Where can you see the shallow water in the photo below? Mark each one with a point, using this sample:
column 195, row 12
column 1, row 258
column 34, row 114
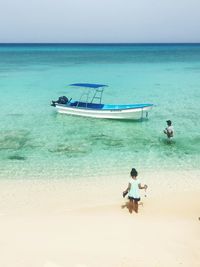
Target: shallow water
column 36, row 142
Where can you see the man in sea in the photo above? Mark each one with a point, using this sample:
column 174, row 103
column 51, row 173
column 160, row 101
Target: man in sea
column 169, row 131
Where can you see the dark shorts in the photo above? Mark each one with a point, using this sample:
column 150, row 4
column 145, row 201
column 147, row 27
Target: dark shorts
column 135, row 199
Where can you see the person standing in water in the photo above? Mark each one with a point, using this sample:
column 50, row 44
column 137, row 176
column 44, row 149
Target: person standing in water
column 169, row 131
column 133, row 191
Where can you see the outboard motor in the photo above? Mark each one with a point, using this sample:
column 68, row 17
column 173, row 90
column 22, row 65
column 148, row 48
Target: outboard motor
column 61, row 100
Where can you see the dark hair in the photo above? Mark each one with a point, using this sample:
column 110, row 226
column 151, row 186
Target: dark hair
column 169, row 123
column 134, row 172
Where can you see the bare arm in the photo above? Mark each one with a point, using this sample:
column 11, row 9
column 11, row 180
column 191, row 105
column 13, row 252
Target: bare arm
column 142, row 187
column 127, row 190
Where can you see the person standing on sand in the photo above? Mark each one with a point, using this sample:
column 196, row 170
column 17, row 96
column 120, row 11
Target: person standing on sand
column 133, row 191
column 169, row 131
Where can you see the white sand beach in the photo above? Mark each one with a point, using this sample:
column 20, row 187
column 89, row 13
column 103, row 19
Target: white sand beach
column 60, row 224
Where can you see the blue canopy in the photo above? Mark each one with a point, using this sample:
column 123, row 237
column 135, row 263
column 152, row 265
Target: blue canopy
column 88, row 85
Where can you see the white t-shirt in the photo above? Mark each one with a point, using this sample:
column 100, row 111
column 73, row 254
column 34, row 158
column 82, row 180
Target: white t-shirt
column 134, row 190
column 170, row 129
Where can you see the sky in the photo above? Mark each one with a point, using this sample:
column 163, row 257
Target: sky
column 99, row 21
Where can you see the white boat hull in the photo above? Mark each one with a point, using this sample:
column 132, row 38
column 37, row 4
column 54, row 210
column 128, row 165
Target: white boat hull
column 123, row 114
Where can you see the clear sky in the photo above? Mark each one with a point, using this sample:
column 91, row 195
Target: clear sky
column 99, row 21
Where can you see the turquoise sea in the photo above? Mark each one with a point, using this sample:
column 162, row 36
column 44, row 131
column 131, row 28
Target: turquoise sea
column 36, row 142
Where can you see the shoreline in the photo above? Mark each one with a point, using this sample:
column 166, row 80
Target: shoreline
column 61, row 223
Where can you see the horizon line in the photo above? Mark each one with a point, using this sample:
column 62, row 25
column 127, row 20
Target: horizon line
column 100, row 43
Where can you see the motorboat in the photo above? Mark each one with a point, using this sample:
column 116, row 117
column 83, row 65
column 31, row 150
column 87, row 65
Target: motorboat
column 89, row 105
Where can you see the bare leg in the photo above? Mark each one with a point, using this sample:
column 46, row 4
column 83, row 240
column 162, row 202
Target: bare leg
column 136, row 206
column 131, row 208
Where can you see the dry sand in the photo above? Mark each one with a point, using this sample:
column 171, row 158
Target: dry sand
column 61, row 224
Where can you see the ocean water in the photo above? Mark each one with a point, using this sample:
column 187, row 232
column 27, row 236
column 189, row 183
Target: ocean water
column 38, row 143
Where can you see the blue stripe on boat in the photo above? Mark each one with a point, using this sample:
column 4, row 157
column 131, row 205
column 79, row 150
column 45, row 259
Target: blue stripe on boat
column 108, row 106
